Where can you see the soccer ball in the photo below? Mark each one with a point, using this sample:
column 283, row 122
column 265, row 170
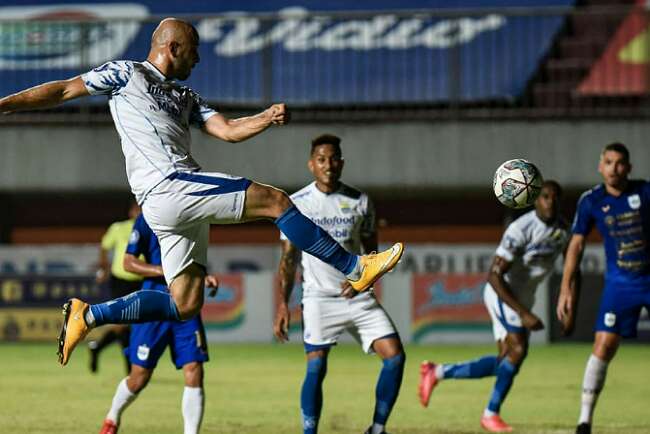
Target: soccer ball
column 517, row 183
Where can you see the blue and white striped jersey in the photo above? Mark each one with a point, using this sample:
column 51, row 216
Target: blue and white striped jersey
column 152, row 115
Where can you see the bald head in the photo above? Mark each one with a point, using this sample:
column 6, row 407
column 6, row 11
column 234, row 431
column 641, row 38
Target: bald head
column 174, row 48
column 172, row 30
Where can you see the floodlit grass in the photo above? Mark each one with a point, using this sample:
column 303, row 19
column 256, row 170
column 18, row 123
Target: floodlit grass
column 255, row 389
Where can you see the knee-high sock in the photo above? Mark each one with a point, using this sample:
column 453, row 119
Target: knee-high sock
column 311, row 238
column 193, row 399
column 137, row 307
column 478, row 368
column 121, row 400
column 506, row 372
column 592, row 384
column 311, row 397
column 388, row 385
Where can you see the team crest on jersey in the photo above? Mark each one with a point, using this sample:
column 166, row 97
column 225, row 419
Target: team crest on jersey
column 143, row 352
column 610, row 319
column 135, row 237
column 610, row 220
column 345, row 207
column 634, row 201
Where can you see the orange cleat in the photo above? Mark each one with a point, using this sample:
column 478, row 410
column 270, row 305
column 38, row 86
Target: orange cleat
column 428, row 382
column 495, row 424
column 74, row 328
column 375, row 265
column 109, row 427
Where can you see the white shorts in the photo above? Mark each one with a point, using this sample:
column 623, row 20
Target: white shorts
column 504, row 319
column 326, row 318
column 180, row 210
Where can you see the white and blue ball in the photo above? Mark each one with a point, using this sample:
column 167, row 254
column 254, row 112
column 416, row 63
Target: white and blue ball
column 517, row 183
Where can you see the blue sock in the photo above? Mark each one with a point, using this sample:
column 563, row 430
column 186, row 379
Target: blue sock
column 505, row 376
column 477, row 368
column 309, row 237
column 137, row 307
column 390, row 380
column 311, row 396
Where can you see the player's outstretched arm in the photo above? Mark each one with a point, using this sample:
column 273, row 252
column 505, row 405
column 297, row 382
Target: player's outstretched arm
column 45, row 95
column 237, row 130
column 287, row 271
column 569, row 291
column 495, row 278
column 137, row 266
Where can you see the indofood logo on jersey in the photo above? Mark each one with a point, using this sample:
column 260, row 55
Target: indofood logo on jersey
column 239, row 35
column 227, row 309
column 66, row 36
column 447, row 302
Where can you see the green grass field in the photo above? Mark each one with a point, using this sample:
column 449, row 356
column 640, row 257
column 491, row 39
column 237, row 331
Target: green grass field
column 255, row 389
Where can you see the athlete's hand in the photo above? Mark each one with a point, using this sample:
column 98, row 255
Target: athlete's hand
column 278, row 114
column 281, row 323
column 565, row 312
column 347, row 290
column 211, row 281
column 531, row 321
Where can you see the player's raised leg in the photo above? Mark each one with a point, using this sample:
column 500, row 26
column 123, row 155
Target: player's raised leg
column 389, row 382
column 311, row 394
column 263, row 201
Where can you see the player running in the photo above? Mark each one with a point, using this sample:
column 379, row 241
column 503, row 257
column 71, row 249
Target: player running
column 525, row 256
column 620, row 209
column 185, row 339
column 328, row 310
column 152, row 114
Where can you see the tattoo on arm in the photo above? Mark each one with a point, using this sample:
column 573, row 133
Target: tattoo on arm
column 288, row 265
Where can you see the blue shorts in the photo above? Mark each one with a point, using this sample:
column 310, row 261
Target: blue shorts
column 186, row 340
column 620, row 308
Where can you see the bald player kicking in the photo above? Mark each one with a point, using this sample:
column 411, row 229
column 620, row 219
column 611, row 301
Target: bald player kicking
column 152, row 114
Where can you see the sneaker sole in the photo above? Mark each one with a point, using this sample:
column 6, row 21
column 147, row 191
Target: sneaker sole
column 64, row 328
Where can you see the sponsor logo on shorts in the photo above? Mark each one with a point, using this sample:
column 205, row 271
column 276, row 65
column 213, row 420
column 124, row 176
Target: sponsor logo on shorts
column 143, row 352
column 610, row 319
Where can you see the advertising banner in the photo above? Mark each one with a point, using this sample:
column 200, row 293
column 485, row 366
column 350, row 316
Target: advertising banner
column 448, row 302
column 298, row 57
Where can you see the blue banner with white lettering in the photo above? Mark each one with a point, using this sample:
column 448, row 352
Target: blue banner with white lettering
column 295, row 52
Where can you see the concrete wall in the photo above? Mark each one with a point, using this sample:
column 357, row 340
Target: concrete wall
column 378, row 155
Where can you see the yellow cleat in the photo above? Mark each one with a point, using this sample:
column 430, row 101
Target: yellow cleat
column 74, row 328
column 375, row 265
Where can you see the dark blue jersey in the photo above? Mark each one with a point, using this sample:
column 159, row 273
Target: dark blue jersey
column 144, row 242
column 624, row 223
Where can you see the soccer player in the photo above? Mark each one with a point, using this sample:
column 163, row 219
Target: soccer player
column 330, row 305
column 525, row 256
column 186, row 339
column 620, row 209
column 152, row 114
column 120, row 281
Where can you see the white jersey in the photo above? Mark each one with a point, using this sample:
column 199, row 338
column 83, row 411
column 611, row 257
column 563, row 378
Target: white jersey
column 532, row 247
column 152, row 115
column 347, row 215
